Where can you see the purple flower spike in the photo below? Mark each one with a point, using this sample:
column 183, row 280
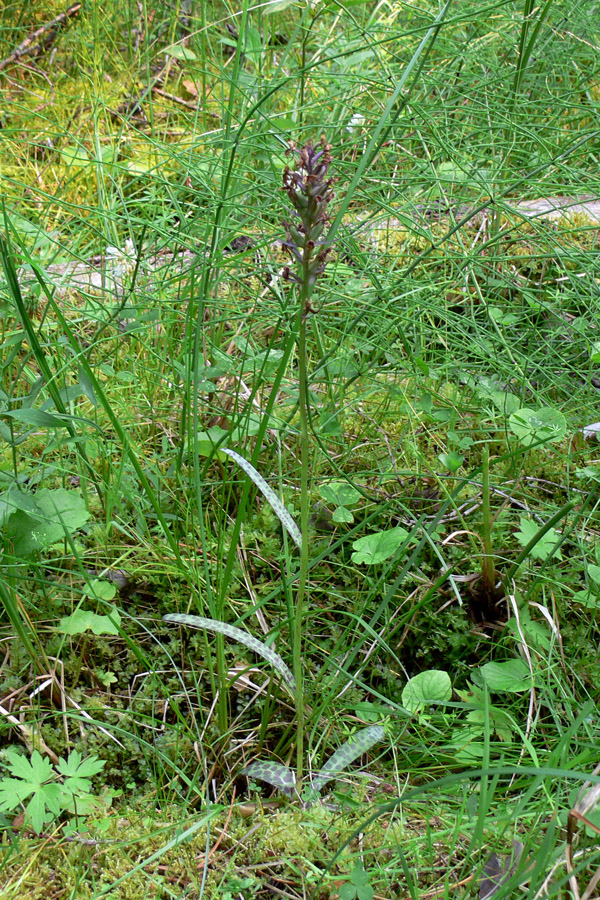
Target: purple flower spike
column 310, row 193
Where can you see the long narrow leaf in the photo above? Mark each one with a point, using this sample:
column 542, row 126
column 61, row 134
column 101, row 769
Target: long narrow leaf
column 276, row 774
column 276, row 504
column 358, row 744
column 237, row 634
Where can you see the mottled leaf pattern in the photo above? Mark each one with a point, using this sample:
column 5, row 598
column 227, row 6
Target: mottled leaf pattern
column 237, row 634
column 276, row 504
column 358, row 744
column 278, row 775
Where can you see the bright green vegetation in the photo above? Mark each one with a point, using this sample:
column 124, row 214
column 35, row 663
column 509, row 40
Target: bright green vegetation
column 434, row 681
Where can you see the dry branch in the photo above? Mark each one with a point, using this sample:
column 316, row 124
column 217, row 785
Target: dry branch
column 48, row 31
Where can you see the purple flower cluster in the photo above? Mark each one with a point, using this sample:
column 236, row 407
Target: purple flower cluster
column 309, row 190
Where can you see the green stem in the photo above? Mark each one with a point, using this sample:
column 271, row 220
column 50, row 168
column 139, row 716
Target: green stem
column 487, row 567
column 304, row 511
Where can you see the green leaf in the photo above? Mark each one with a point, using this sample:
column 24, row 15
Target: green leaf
column 535, row 633
column 511, row 677
column 358, row 888
column 543, row 548
column 44, row 806
column 36, row 811
column 206, row 442
column 329, row 421
column 12, row 793
column 341, row 515
column 49, row 798
column 78, row 772
column 237, row 634
column 75, row 155
column 376, row 548
column 502, row 317
column 339, row 493
column 100, row 589
column 358, row 876
column 594, row 573
column 588, row 472
column 274, row 501
column 533, row 426
column 265, row 362
column 371, row 712
column 37, row 417
column 13, row 500
column 83, row 620
column 276, row 774
column 34, row 777
column 273, row 6
column 354, row 747
column 75, row 765
column 36, row 770
column 451, row 461
column 249, row 427
column 36, row 521
column 587, row 598
column 504, row 401
column 466, row 745
column 179, row 52
column 87, row 386
column 432, row 686
column 62, row 509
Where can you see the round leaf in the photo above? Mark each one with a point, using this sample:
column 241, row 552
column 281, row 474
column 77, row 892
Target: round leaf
column 339, row 493
column 347, row 892
column 512, row 676
column 179, row 52
column 376, row 548
column 432, row 686
column 341, row 514
column 533, row 426
column 75, row 156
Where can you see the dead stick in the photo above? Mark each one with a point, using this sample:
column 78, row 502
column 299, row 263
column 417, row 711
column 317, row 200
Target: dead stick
column 28, row 45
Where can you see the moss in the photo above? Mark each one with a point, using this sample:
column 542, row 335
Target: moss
column 123, row 846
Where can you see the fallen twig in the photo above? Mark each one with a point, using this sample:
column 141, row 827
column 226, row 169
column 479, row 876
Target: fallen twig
column 49, row 29
column 187, row 103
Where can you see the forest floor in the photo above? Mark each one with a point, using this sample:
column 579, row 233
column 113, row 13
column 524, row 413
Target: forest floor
column 300, row 584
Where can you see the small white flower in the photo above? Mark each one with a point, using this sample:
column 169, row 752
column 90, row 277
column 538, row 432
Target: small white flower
column 129, row 248
column 122, row 262
column 357, row 121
